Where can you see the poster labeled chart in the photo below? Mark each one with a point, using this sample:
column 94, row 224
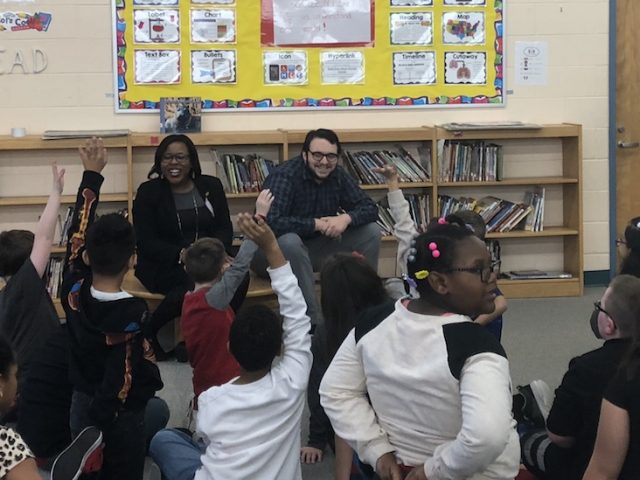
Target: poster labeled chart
column 308, row 54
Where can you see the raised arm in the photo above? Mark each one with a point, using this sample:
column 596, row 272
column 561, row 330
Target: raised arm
column 296, row 359
column 45, row 230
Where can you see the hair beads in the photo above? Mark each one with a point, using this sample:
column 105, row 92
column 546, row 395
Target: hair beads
column 433, row 247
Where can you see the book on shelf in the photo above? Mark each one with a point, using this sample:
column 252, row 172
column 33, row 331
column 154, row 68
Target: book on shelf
column 498, row 125
column 535, row 274
column 65, row 225
column 62, row 134
column 469, row 161
column 239, row 173
column 180, row 114
column 419, row 209
column 53, row 275
column 360, row 165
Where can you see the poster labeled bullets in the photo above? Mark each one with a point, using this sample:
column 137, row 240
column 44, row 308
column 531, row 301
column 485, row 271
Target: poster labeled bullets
column 465, row 68
column 411, row 28
column 213, row 26
column 213, row 66
column 156, row 26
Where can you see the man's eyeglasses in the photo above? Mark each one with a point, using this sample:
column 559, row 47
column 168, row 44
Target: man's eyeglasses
column 180, row 158
column 598, row 306
column 484, row 272
column 318, row 156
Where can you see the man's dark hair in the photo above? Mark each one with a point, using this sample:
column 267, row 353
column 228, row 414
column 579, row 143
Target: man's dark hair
column 110, row 244
column 204, row 259
column 324, row 133
column 255, row 337
column 196, row 170
column 15, row 248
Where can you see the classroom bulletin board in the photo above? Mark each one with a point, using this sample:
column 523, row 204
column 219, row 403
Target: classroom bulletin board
column 308, row 54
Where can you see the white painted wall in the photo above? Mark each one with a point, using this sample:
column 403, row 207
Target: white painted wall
column 74, row 92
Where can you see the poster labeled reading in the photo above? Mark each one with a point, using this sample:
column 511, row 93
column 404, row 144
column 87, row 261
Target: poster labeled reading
column 285, row 67
column 322, row 22
column 465, row 68
column 213, row 66
column 213, row 26
column 463, row 27
column 342, row 67
column 411, row 28
column 156, row 26
column 157, row 66
column 414, row 68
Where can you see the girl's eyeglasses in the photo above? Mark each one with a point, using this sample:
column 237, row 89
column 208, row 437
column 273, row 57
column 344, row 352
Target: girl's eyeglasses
column 484, row 272
column 620, row 241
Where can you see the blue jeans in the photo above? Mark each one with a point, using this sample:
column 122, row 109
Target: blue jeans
column 177, row 455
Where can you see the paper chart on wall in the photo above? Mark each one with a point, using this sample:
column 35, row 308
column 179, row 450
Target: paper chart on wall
column 155, row 2
column 157, row 66
column 215, row 2
column 213, row 66
column 285, row 67
column 213, row 26
column 411, row 3
column 463, row 3
column 465, row 68
column 322, row 22
column 414, row 68
column 342, row 67
column 411, row 28
column 463, row 28
column 156, row 26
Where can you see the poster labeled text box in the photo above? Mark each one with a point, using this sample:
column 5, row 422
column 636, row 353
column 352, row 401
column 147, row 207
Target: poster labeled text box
column 157, row 66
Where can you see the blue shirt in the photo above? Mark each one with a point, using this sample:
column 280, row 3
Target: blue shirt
column 299, row 199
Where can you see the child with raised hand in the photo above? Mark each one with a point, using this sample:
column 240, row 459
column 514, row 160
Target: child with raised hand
column 425, row 392
column 492, row 321
column 209, row 310
column 251, row 425
column 110, row 365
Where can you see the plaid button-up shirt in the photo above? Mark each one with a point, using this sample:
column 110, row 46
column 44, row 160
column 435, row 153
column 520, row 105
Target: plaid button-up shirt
column 299, row 199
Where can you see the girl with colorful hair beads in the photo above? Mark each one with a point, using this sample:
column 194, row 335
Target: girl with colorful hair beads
column 425, row 392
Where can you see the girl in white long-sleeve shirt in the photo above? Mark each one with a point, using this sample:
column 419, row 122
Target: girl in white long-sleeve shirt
column 426, row 390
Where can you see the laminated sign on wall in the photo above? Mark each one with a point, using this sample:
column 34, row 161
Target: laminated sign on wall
column 308, row 54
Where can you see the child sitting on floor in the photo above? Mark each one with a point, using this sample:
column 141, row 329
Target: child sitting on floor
column 251, row 425
column 208, row 311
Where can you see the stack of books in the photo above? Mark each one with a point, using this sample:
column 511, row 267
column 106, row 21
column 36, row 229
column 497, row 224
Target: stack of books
column 53, row 275
column 360, row 165
column 469, row 162
column 419, row 208
column 64, row 226
column 500, row 215
column 241, row 173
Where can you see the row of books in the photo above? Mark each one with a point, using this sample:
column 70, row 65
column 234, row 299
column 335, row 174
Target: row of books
column 360, row 165
column 419, row 208
column 65, row 225
column 239, row 173
column 53, row 276
column 501, row 215
column 469, row 162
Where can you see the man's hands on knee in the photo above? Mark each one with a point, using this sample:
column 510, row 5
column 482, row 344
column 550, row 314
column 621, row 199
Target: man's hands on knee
column 333, row 226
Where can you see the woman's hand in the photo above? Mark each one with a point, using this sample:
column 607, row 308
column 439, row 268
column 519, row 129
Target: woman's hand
column 94, row 155
column 263, row 203
column 58, row 178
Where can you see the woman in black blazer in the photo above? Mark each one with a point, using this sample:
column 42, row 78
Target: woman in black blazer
column 175, row 207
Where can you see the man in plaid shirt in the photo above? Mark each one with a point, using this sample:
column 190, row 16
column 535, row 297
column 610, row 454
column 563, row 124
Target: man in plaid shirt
column 318, row 210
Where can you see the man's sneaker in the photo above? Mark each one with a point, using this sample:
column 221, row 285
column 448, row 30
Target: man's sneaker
column 83, row 455
column 534, row 403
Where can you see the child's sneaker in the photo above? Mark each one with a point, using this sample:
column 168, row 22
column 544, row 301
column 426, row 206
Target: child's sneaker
column 83, row 455
column 534, row 403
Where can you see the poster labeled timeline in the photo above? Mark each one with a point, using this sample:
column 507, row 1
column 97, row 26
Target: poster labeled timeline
column 312, row 54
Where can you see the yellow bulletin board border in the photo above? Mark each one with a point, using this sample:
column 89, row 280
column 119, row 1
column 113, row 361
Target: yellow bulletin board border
column 251, row 93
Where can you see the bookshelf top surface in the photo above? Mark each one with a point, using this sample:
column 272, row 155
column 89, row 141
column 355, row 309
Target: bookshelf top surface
column 151, row 139
column 563, row 130
column 35, row 142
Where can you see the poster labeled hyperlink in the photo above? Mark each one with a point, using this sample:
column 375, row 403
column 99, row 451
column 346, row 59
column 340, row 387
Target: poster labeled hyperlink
column 239, row 55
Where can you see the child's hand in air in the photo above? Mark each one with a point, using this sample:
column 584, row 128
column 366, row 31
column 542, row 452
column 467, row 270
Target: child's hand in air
column 391, row 174
column 58, row 178
column 93, row 154
column 263, row 203
column 258, row 231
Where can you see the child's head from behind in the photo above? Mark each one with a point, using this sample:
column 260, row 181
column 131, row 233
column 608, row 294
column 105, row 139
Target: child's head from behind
column 8, row 380
column 629, row 248
column 15, row 248
column 473, row 221
column 204, row 259
column 348, row 285
column 255, row 337
column 452, row 268
column 110, row 245
column 619, row 309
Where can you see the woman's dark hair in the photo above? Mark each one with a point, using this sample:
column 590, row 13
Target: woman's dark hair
column 348, row 285
column 631, row 263
column 7, row 357
column 196, row 170
column 324, row 133
column 445, row 237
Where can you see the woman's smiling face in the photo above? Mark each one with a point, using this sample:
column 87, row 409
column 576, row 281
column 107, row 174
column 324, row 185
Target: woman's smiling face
column 175, row 164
